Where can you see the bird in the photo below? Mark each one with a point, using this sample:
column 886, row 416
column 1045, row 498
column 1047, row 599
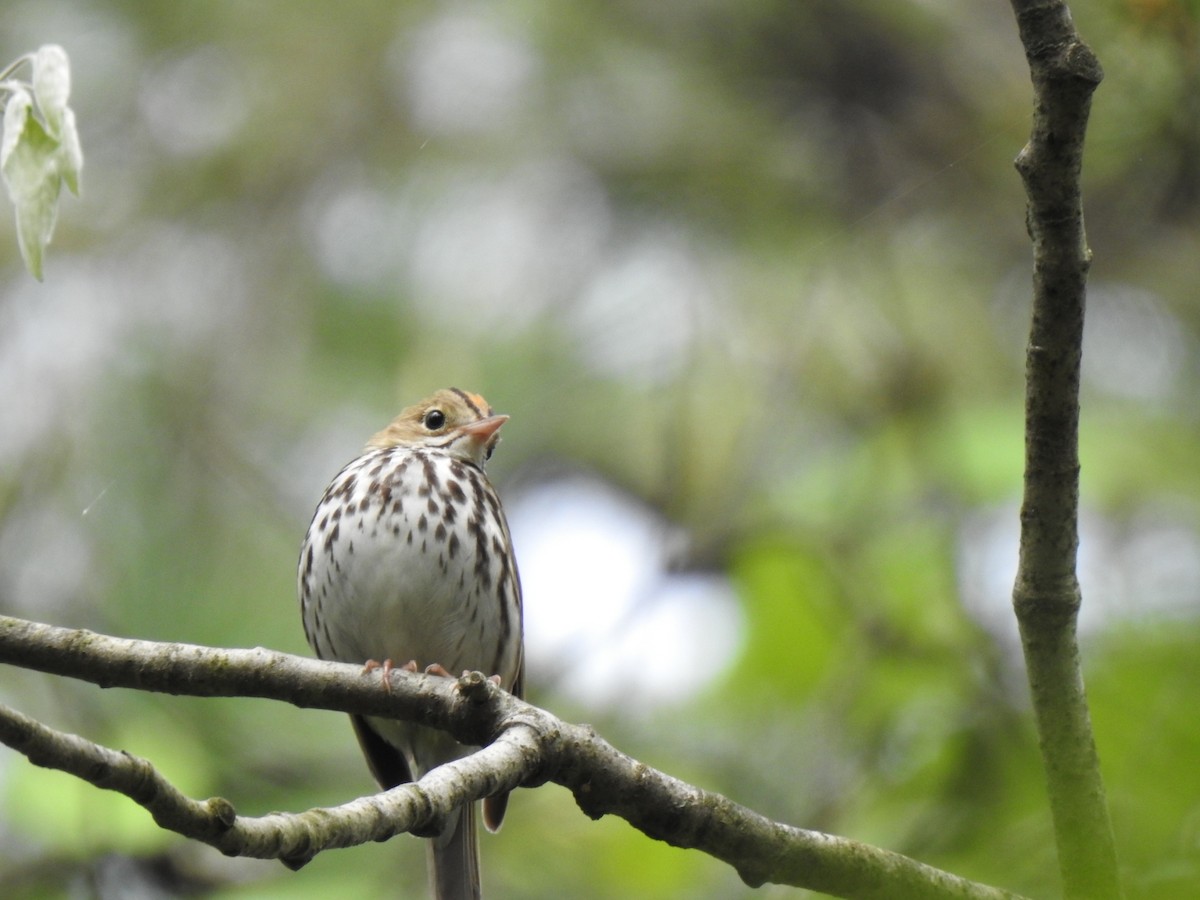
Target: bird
column 408, row 557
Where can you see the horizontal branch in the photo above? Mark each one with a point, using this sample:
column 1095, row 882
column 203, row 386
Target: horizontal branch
column 526, row 746
column 293, row 838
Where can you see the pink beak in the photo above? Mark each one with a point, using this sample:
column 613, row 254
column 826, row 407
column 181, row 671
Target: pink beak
column 483, row 430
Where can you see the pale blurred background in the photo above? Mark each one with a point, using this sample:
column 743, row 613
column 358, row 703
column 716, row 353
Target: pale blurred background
column 753, row 283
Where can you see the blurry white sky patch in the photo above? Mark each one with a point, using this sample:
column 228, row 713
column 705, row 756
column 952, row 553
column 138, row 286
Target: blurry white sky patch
column 46, row 562
column 495, row 252
column 1141, row 569
column 464, row 73
column 356, row 231
column 1133, row 346
column 647, row 308
column 603, row 613
column 197, row 103
column 488, row 252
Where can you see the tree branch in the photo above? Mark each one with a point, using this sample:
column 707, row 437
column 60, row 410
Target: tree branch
column 293, row 838
column 1046, row 594
column 525, row 746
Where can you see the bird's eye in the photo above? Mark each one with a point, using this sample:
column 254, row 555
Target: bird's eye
column 434, row 419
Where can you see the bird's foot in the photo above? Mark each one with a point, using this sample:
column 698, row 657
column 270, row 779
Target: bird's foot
column 386, row 668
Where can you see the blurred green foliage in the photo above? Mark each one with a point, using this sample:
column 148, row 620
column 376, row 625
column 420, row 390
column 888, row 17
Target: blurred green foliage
column 761, row 266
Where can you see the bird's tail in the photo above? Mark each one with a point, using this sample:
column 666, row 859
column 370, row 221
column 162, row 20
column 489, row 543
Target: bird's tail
column 454, row 858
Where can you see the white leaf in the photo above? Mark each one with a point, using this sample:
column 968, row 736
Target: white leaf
column 52, row 85
column 16, row 111
column 40, row 150
column 70, row 154
column 30, row 161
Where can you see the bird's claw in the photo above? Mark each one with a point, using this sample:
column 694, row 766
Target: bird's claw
column 386, row 668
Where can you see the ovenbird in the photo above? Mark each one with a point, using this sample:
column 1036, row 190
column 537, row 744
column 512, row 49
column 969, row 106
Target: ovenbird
column 408, row 558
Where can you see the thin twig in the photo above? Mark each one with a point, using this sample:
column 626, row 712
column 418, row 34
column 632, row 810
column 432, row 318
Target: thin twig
column 1046, row 594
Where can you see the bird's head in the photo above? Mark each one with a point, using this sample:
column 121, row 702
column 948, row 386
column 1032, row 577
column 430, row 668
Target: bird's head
column 456, row 422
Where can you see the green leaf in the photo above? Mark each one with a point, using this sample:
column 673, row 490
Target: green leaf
column 790, row 604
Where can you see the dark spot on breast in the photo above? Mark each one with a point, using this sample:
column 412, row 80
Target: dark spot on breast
column 346, row 488
column 451, row 548
column 439, row 533
column 493, row 502
column 483, row 572
column 506, row 603
column 397, row 474
column 454, row 489
column 422, row 523
column 431, row 476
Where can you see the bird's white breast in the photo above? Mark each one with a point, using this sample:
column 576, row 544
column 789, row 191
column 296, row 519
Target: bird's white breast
column 403, row 561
